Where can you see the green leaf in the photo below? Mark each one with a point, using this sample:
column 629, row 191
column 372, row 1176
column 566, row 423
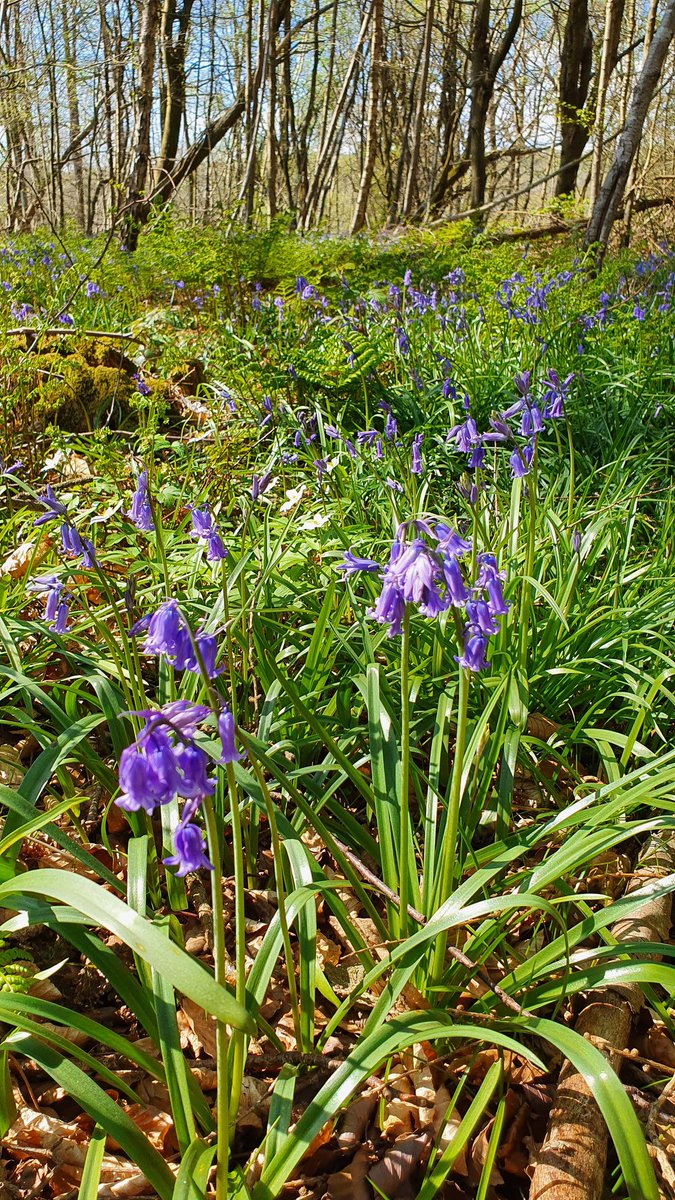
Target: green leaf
column 140, row 935
column 91, row 1172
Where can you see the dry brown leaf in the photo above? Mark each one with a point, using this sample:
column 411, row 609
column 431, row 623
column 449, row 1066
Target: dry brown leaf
column 425, row 1093
column 33, row 551
column 350, row 1184
column 609, row 872
column 37, row 1135
column 254, row 1103
column 393, row 1174
column 355, row 1120
column 66, row 464
column 478, row 1156
column 197, row 1029
column 658, row 1045
column 155, row 1124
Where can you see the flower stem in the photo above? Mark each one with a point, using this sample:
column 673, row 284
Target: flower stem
column 404, row 806
column 450, row 851
column 222, row 1040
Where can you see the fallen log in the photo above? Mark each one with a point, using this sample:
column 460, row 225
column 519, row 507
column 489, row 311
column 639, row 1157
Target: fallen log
column 571, row 1164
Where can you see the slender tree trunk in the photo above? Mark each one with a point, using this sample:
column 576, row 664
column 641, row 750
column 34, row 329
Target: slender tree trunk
column 484, row 70
column 376, row 52
column 610, row 46
column 612, row 191
column 422, row 99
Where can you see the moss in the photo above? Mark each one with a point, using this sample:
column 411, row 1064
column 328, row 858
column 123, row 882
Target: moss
column 77, row 396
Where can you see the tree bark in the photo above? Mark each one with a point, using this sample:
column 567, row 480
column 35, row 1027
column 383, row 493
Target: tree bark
column 376, row 52
column 485, row 67
column 576, row 64
column 611, row 194
column 136, row 205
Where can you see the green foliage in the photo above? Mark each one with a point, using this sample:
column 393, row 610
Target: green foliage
column 480, row 802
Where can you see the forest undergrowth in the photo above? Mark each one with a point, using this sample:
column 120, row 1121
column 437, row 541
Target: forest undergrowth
column 337, row 646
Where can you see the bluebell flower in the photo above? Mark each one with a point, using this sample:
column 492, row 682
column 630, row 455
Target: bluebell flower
column 57, row 601
column 55, row 509
column 354, row 563
column 475, row 645
column 458, row 593
column 367, row 437
column 141, row 510
column 394, row 485
column 450, row 542
column 521, row 461
column 260, row 484
column 141, row 386
column 481, row 616
column 190, row 850
column 227, row 731
column 93, row 289
column 416, row 467
column 205, row 528
column 168, row 634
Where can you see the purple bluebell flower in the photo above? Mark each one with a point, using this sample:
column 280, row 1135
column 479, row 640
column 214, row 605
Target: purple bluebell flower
column 57, row 605
column 521, row 461
column 227, row 731
column 407, row 278
column 205, row 528
column 480, row 616
column 496, row 602
column 416, row 467
column 458, row 593
column 475, row 645
column 168, row 634
column 55, row 509
column 391, row 427
column 531, row 421
column 93, row 289
column 353, row 563
column 450, row 542
column 141, row 386
column 331, row 432
column 190, row 850
column 193, row 782
column 394, row 485
column 367, row 437
column 390, row 608
column 260, row 484
column 141, row 510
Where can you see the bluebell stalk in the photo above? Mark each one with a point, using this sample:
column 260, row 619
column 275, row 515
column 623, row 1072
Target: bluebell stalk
column 431, row 577
column 166, row 762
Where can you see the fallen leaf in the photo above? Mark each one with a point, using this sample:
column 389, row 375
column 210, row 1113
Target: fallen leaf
column 392, row 1175
column 28, row 553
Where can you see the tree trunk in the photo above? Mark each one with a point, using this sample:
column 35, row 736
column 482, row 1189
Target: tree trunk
column 484, row 70
column 576, row 64
column 136, row 205
column 420, row 110
column 610, row 45
column 612, row 191
column 376, row 51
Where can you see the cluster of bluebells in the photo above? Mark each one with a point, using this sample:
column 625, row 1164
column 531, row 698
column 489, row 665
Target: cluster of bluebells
column 168, row 634
column 73, row 544
column 425, row 568
column 528, row 302
column 57, row 606
column 524, row 419
column 166, row 762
